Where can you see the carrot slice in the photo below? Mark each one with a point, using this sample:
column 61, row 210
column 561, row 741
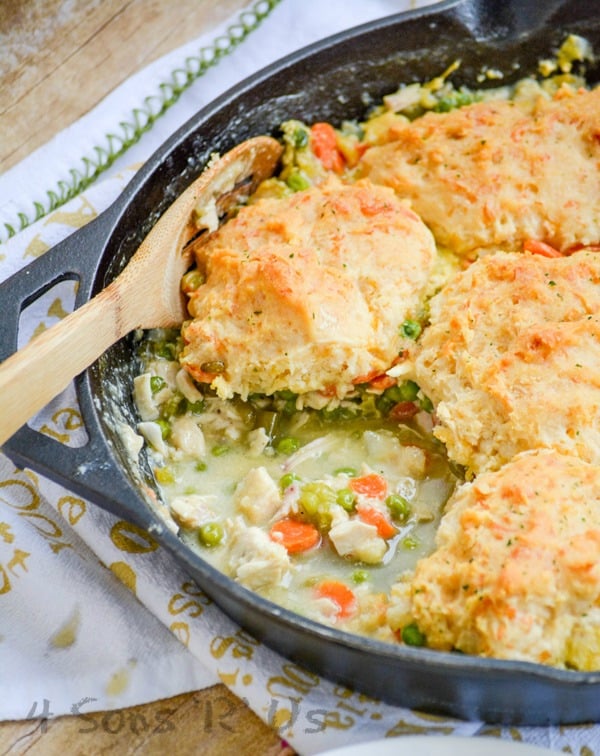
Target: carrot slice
column 366, row 378
column 578, row 247
column 403, row 410
column 295, row 535
column 372, row 485
column 537, row 247
column 382, row 382
column 323, row 142
column 374, row 516
column 377, row 381
column 340, row 594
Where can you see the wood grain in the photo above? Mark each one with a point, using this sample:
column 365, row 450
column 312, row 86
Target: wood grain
column 58, row 59
column 212, row 722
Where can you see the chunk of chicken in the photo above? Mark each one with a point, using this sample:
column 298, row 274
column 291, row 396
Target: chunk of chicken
column 194, row 510
column 359, row 540
column 257, row 496
column 254, row 559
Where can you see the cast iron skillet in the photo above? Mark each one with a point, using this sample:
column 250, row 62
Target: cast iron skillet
column 335, row 79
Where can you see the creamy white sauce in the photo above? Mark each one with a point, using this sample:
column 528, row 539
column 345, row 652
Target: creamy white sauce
column 250, row 471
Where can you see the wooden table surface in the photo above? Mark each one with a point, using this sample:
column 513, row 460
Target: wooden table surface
column 59, row 58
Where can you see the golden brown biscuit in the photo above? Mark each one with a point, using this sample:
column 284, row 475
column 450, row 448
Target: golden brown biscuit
column 307, row 292
column 516, row 573
column 498, row 173
column 511, row 358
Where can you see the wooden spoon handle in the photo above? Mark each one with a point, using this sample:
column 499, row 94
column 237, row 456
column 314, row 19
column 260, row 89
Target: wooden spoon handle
column 35, row 374
column 146, row 294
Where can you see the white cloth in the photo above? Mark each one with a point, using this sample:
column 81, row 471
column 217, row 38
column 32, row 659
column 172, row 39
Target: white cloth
column 93, row 615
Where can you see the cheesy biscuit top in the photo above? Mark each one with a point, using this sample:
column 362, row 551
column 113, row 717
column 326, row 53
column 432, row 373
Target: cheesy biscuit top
column 511, row 359
column 498, row 173
column 308, row 292
column 516, row 572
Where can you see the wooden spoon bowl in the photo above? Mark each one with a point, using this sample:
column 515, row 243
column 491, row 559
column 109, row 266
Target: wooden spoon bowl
column 146, row 294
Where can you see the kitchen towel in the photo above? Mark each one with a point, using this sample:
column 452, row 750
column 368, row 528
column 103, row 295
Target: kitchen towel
column 94, row 614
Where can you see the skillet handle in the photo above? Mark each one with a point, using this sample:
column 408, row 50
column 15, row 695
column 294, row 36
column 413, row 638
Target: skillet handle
column 90, row 470
column 32, row 377
column 76, row 258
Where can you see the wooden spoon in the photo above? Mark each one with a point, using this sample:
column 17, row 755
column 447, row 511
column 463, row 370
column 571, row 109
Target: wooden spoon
column 146, row 294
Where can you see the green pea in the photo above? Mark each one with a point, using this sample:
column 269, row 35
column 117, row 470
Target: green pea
column 385, row 402
column 197, row 407
column 165, row 428
column 220, row 450
column 166, row 349
column 297, row 182
column 211, row 534
column 213, row 367
column 338, row 414
column 360, row 576
column 456, row 100
column 351, row 472
column 200, row 466
column 426, row 404
column 300, row 137
column 191, row 281
column 404, row 392
column 287, row 480
column 394, row 393
column 399, row 507
column 346, row 499
column 412, row 636
column 411, row 329
column 286, row 394
column 410, row 543
column 157, row 383
column 320, row 492
column 286, row 401
column 289, row 407
column 316, row 500
column 173, row 407
column 288, row 445
column 408, row 391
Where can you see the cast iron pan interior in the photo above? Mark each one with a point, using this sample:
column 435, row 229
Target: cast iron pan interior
column 333, row 80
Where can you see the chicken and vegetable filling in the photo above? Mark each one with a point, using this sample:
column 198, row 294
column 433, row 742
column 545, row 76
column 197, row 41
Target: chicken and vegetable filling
column 316, row 509
column 398, row 337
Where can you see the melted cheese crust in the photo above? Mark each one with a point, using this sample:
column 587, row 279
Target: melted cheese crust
column 495, row 174
column 308, row 292
column 511, row 358
column 516, row 572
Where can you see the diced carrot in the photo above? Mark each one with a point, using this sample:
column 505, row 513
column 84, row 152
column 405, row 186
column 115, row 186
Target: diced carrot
column 578, row 247
column 374, row 375
column 403, row 410
column 329, row 390
column 377, row 381
column 365, row 378
column 383, row 382
column 295, row 535
column 199, row 375
column 374, row 516
column 323, row 142
column 537, row 247
column 372, row 485
column 340, row 594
